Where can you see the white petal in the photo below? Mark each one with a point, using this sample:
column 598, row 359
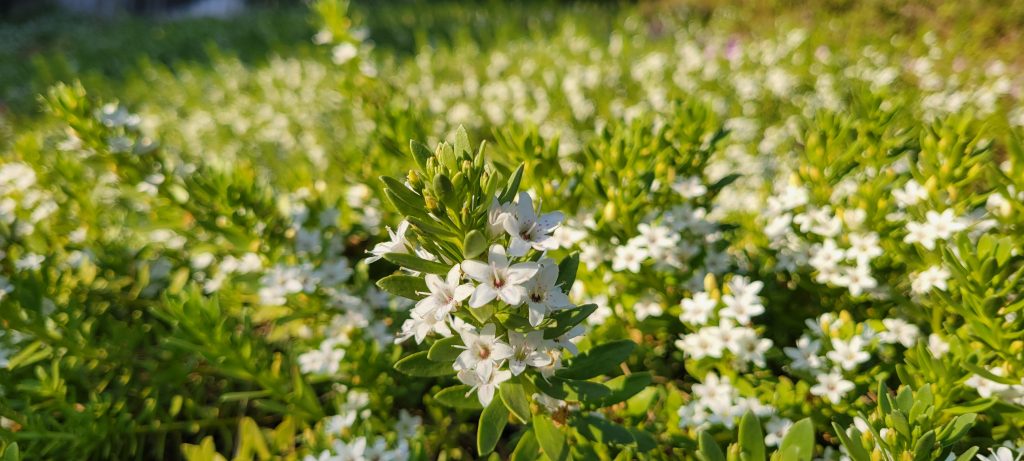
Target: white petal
column 483, row 294
column 521, row 272
column 496, row 256
column 519, row 247
column 435, row 284
column 485, row 394
column 462, row 292
column 500, row 351
column 510, row 294
column 477, row 270
column 549, row 221
column 454, row 275
column 537, row 312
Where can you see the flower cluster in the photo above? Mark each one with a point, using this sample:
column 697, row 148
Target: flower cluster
column 722, row 324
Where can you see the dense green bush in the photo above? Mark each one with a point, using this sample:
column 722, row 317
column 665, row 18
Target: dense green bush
column 656, row 231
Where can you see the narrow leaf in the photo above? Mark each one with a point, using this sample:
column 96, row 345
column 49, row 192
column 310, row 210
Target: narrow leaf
column 420, row 366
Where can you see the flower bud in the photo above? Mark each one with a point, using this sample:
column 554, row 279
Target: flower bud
column 609, row 213
column 415, row 181
column 445, row 190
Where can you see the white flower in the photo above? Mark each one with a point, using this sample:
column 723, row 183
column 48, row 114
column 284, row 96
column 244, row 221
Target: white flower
column 352, row 451
column 937, row 346
column 848, row 354
column 986, row 387
column 397, row 244
column 910, row 194
column 498, row 279
column 445, row 294
column 408, row 424
column 697, row 309
column 946, row 224
column 29, row 262
column 826, row 256
column 704, row 343
column 496, row 216
column 647, row 308
column 689, row 187
column 485, row 384
column 805, row 355
column 629, row 257
column 899, row 331
column 528, row 230
column 568, row 340
column 343, row 53
column 920, row 233
column 741, row 307
column 749, row 347
column 999, row 454
column 483, row 351
column 324, row 360
column 566, row 236
column 420, row 324
column 863, row 247
column 857, row 279
column 527, row 350
column 742, row 286
column 832, row 386
column 932, row 277
column 542, row 295
column 776, row 429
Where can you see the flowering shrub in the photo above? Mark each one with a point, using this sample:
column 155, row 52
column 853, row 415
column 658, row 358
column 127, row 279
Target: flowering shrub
column 688, row 235
column 501, row 314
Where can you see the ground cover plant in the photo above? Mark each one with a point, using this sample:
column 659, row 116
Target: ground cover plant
column 410, row 231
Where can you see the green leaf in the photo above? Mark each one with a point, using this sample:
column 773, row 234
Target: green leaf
column 474, row 244
column 251, row 443
column 566, row 319
column 410, row 210
column 514, row 397
column 572, row 390
column 601, row 430
column 492, row 422
column 551, row 439
column 709, row 450
column 974, row 406
column 445, row 191
column 856, row 451
column 462, row 141
column 924, row 446
column 512, row 186
column 751, row 438
column 967, row 455
column 458, row 396
column 445, row 350
column 418, row 264
column 527, row 449
column 799, row 441
column 405, row 286
column 12, row 453
column 644, row 440
column 420, row 366
column 954, row 430
column 420, row 153
column 598, row 360
column 430, row 226
column 567, row 271
column 624, row 387
column 988, row 374
column 403, row 193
